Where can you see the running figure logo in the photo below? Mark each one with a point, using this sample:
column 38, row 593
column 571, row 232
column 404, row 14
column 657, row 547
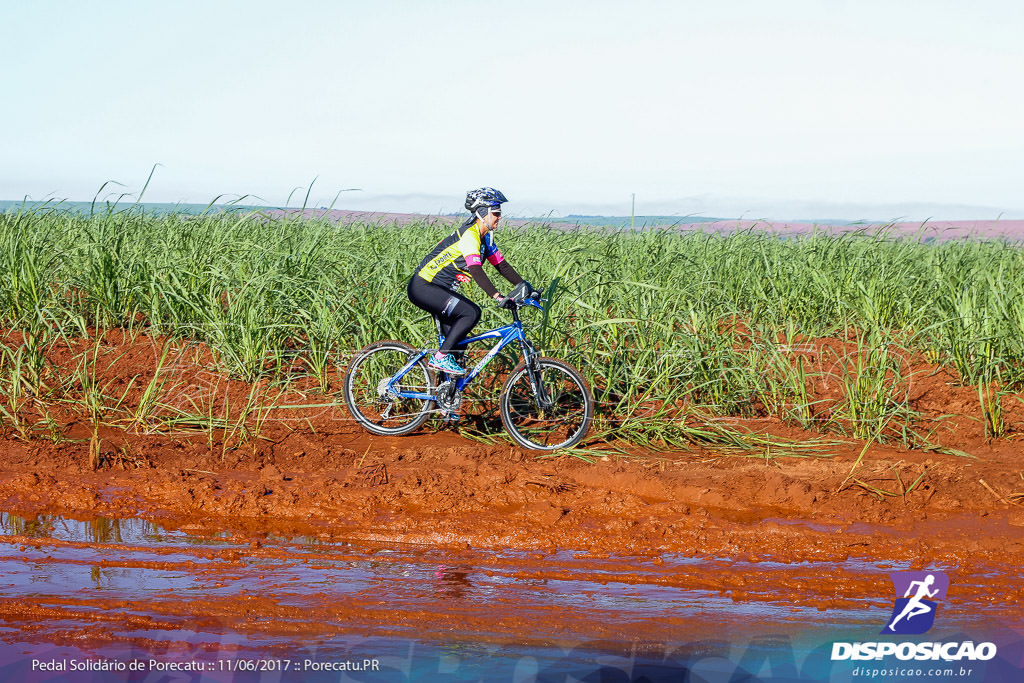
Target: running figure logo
column 914, row 613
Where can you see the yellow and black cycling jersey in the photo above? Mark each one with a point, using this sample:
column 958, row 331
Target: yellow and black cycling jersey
column 447, row 265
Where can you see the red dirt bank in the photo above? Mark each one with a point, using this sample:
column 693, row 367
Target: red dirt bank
column 322, row 476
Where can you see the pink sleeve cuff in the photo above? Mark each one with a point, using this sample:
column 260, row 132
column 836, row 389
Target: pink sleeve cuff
column 495, row 258
column 474, row 260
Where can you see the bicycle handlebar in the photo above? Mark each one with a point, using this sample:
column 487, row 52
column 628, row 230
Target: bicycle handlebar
column 525, row 294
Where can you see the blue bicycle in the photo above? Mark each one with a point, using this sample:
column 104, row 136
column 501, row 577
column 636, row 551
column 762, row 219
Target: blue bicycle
column 545, row 403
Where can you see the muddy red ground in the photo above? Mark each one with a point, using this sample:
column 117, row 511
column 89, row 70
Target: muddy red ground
column 317, row 474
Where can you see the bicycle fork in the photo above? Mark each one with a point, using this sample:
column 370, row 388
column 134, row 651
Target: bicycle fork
column 533, row 373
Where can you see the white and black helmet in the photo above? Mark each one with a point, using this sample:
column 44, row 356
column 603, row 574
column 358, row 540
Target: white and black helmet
column 484, row 197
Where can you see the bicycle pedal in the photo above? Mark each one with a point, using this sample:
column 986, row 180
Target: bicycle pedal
column 451, row 418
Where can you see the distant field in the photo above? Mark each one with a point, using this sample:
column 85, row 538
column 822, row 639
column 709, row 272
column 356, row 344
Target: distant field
column 1011, row 230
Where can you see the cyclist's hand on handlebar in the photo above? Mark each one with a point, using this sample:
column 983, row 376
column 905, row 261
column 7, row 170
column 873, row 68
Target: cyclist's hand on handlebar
column 504, row 302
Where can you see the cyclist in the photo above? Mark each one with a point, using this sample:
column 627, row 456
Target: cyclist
column 456, row 260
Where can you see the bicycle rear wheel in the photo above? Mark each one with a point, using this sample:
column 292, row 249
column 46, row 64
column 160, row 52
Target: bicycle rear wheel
column 375, row 404
column 563, row 423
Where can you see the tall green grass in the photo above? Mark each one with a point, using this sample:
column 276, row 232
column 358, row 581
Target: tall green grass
column 672, row 329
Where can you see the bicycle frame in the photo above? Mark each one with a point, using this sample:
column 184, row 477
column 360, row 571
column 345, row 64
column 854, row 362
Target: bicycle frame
column 506, row 334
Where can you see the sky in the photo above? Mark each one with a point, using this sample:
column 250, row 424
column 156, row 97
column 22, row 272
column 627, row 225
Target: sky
column 789, row 109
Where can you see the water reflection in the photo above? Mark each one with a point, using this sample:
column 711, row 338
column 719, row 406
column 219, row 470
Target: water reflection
column 98, row 530
column 452, row 582
column 105, row 530
column 134, row 557
column 39, row 526
column 101, row 577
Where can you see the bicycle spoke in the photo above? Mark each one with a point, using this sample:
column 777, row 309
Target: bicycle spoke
column 563, row 424
column 373, row 393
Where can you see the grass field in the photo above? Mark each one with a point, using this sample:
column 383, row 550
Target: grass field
column 673, row 330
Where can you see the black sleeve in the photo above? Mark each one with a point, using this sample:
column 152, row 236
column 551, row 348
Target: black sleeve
column 509, row 273
column 480, row 277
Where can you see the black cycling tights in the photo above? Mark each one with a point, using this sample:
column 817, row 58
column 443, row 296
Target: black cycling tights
column 458, row 315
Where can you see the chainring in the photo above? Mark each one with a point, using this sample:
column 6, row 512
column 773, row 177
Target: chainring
column 448, row 397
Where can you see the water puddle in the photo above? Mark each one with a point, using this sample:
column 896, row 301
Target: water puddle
column 130, row 588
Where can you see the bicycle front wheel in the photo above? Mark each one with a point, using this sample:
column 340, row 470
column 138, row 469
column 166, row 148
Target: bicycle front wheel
column 372, row 387
column 563, row 422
